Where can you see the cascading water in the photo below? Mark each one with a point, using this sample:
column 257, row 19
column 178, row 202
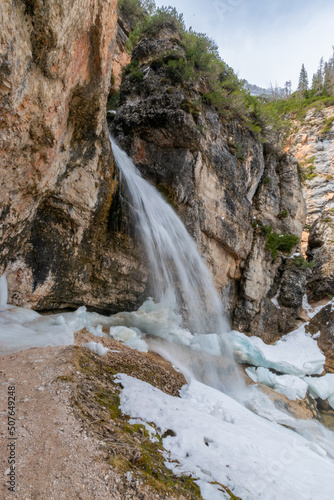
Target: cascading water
column 181, row 281
column 182, row 284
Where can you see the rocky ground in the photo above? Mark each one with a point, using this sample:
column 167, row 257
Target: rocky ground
column 73, row 442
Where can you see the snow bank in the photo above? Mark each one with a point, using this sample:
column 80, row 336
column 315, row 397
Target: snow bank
column 294, row 354
column 218, row 440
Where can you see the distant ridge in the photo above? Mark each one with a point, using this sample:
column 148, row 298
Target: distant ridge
column 258, row 91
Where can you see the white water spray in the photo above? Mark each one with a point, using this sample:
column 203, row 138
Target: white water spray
column 181, row 281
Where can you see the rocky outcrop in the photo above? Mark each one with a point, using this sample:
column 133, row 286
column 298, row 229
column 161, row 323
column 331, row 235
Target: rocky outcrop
column 264, row 307
column 61, row 242
column 322, row 325
column 223, row 182
column 320, row 250
column 121, row 56
column 312, row 143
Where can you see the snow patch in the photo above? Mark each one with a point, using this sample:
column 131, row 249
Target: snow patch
column 97, row 348
column 313, row 311
column 219, row 440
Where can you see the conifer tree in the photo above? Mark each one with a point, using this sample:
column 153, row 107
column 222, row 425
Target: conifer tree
column 302, row 84
column 303, row 80
column 320, row 74
column 315, row 83
column 288, row 88
column 328, row 87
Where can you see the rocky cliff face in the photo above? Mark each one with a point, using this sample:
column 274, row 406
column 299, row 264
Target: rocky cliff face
column 223, row 182
column 66, row 237
column 121, row 57
column 312, row 143
column 59, row 244
column 320, row 250
column 323, row 323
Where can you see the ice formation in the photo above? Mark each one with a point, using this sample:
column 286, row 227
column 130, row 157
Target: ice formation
column 294, row 354
column 3, row 291
column 22, row 328
column 322, row 387
column 98, row 348
column 291, row 386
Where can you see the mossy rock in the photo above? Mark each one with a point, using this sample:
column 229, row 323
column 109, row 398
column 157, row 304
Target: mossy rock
column 189, row 107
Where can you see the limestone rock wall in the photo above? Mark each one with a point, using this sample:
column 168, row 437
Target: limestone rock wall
column 320, row 250
column 121, row 56
column 59, row 243
column 312, row 143
column 66, row 238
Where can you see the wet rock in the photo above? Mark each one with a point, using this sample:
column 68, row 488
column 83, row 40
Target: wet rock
column 323, row 324
column 62, row 237
column 292, row 286
column 320, row 250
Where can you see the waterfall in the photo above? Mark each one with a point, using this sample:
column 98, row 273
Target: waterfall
column 180, row 280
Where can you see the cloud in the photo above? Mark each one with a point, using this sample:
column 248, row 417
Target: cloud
column 264, row 41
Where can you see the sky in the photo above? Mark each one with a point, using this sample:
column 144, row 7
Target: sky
column 264, row 41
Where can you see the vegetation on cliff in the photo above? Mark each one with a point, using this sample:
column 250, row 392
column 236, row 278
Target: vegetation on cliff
column 195, row 60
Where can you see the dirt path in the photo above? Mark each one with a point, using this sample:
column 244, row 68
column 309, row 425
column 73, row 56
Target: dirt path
column 58, row 455
column 54, row 457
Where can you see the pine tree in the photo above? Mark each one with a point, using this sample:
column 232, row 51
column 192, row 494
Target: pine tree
column 303, row 80
column 288, row 88
column 320, row 74
column 328, row 78
column 315, row 83
column 303, row 84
